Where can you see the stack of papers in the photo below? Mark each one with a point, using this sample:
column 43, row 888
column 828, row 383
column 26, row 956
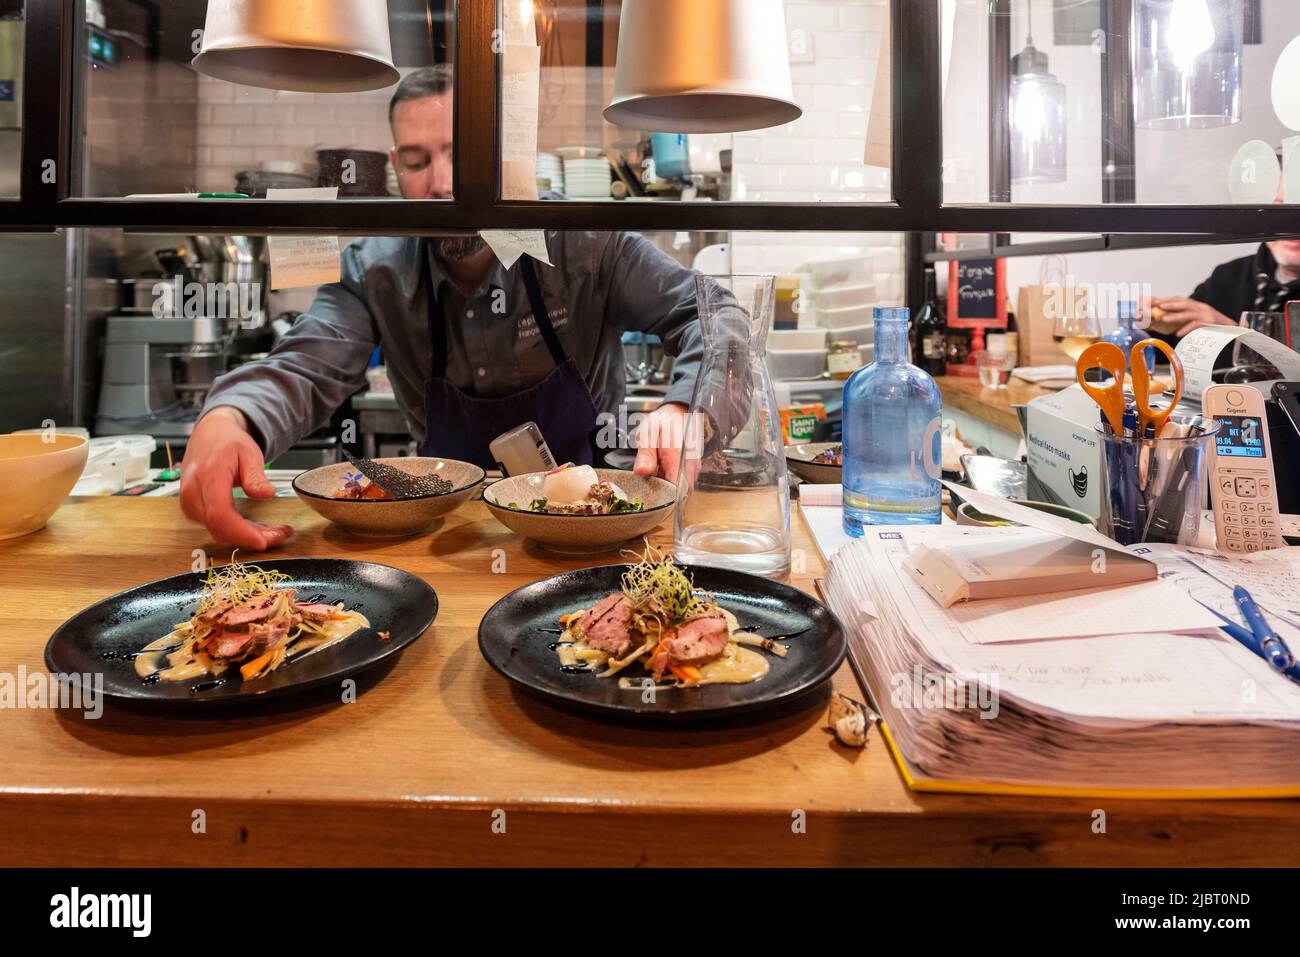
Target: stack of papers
column 1130, row 690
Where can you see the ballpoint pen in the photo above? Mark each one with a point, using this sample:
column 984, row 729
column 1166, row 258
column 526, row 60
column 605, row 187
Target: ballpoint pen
column 1246, row 637
column 1271, row 645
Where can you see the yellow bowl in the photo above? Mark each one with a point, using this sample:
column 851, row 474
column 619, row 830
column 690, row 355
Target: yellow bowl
column 37, row 471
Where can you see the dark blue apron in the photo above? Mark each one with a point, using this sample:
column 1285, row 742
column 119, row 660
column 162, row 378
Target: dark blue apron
column 460, row 426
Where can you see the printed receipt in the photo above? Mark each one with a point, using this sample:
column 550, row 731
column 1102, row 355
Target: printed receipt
column 1200, row 351
column 303, row 260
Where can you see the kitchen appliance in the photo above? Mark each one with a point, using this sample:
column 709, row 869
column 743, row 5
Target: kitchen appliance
column 157, row 372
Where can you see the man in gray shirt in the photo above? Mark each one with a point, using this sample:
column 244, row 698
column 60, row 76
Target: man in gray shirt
column 470, row 346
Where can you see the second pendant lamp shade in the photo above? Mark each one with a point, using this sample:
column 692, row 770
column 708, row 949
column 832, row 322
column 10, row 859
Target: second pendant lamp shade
column 331, row 46
column 1187, row 63
column 702, row 66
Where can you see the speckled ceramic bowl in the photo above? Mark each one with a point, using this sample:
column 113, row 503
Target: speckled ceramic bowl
column 581, row 534
column 800, row 460
column 388, row 517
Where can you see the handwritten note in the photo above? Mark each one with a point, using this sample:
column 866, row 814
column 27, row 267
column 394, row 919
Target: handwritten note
column 303, row 260
column 510, row 244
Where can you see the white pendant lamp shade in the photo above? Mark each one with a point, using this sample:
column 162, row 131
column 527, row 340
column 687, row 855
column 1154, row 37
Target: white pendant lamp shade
column 688, row 66
column 326, row 46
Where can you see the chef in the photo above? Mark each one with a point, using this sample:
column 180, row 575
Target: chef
column 473, row 349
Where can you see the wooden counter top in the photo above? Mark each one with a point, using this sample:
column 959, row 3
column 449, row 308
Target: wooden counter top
column 991, row 405
column 437, row 749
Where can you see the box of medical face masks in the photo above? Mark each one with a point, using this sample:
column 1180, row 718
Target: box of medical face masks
column 1064, row 450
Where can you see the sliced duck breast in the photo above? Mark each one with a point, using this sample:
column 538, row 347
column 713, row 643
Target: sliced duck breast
column 607, row 626
column 698, row 639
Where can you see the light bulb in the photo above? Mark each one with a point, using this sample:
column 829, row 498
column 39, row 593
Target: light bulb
column 1191, row 30
column 1030, row 112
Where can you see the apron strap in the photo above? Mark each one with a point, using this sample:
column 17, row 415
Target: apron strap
column 438, row 323
column 540, row 315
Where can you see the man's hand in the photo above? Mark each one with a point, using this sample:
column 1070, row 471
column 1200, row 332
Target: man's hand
column 1180, row 315
column 220, row 455
column 659, row 441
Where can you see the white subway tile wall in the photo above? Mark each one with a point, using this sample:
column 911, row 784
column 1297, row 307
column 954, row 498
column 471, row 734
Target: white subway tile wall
column 819, row 157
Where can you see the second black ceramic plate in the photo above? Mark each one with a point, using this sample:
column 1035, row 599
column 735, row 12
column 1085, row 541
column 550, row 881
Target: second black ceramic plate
column 105, row 637
column 517, row 633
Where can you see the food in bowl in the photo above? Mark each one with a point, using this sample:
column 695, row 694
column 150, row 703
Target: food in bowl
column 359, row 487
column 361, row 510
column 582, row 530
column 578, row 490
column 832, row 456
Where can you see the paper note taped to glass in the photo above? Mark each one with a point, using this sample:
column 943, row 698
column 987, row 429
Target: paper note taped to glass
column 1200, row 351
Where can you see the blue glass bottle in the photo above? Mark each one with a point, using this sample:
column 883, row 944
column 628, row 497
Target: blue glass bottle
column 1126, row 337
column 891, row 436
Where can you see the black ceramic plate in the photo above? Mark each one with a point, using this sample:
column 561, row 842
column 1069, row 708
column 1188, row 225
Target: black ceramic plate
column 517, row 633
column 105, row 637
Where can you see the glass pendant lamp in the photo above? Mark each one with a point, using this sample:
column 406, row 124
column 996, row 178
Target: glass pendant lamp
column 1187, row 63
column 1038, row 121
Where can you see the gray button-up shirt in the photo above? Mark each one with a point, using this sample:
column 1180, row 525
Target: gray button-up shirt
column 602, row 285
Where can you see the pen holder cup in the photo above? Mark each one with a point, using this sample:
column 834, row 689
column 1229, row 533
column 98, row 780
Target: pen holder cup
column 1151, row 488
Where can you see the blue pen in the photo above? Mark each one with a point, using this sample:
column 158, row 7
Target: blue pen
column 1246, row 637
column 1271, row 645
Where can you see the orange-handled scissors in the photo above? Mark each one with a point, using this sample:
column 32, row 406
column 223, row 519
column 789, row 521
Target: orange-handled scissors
column 1109, row 395
column 1142, row 385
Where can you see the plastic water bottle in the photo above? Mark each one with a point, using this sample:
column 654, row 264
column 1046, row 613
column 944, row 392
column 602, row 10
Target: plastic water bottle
column 1126, row 337
column 892, row 439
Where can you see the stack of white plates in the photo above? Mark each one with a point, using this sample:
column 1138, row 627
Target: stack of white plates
column 586, row 172
column 550, row 166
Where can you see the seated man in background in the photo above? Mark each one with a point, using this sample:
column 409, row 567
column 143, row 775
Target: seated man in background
column 1264, row 282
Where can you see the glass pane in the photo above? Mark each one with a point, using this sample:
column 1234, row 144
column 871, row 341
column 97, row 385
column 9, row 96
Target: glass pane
column 241, row 121
column 11, row 96
column 1214, row 93
column 559, row 75
column 149, row 341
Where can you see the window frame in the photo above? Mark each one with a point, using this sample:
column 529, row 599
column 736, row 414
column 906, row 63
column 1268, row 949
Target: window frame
column 52, row 36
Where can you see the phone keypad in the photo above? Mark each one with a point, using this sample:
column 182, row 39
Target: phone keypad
column 1247, row 517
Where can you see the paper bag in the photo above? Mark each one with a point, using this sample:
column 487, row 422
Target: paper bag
column 1037, row 309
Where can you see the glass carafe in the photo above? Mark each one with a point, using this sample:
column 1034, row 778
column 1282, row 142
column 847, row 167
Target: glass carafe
column 733, row 493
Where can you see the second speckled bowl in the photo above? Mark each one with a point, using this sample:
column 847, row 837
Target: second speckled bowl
column 800, row 460
column 581, row 534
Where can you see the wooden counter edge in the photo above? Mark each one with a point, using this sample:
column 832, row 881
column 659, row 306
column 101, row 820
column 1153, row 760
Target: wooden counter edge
column 67, row 829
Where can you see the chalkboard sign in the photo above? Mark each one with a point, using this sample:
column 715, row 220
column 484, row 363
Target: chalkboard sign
column 976, row 292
